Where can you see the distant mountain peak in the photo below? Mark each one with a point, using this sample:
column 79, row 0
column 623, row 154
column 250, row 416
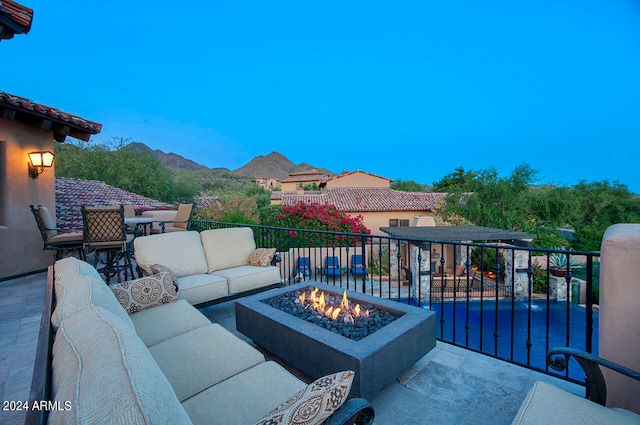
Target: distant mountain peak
column 274, row 165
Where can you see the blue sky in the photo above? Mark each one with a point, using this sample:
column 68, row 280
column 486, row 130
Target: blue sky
column 406, row 90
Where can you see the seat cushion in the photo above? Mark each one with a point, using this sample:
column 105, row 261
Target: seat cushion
column 201, row 288
column 244, row 398
column 160, row 323
column 245, row 278
column 196, row 360
column 179, row 251
column 105, row 374
column 548, row 404
column 225, row 248
column 79, row 286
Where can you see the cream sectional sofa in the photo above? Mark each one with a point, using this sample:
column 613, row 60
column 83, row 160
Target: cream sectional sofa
column 164, row 365
column 211, row 266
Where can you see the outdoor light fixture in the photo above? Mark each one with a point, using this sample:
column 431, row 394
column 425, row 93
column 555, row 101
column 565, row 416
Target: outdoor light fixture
column 39, row 161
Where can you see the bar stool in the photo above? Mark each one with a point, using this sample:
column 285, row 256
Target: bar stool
column 105, row 233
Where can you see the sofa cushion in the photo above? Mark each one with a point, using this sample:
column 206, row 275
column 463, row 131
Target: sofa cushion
column 548, row 404
column 78, row 286
column 145, row 292
column 261, row 257
column 244, row 398
column 105, row 374
column 181, row 252
column 206, row 356
column 200, row 288
column 313, row 404
column 160, row 323
column 225, row 248
column 245, row 278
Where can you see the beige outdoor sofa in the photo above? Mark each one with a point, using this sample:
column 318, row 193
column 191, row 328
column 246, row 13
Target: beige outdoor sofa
column 548, row 404
column 211, row 266
column 166, row 364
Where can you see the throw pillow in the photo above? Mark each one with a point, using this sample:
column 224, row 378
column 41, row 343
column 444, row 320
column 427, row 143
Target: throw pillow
column 146, row 292
column 261, row 257
column 315, row 403
column 159, row 268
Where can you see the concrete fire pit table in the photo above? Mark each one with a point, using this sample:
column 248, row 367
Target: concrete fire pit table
column 377, row 360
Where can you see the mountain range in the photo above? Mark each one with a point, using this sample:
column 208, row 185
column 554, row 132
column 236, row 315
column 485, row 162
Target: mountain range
column 274, row 165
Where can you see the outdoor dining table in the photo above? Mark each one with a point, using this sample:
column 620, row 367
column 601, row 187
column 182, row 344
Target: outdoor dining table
column 142, row 225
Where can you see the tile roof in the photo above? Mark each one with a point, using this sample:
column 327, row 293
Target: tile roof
column 72, row 193
column 62, row 124
column 348, row 173
column 362, row 199
column 305, row 176
column 15, row 18
column 207, row 201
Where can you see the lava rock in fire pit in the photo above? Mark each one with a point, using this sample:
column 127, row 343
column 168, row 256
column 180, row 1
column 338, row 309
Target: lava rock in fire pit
column 333, row 312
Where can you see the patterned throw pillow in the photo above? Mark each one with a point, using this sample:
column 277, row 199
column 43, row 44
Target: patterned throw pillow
column 313, row 404
column 261, row 257
column 159, row 268
column 146, row 292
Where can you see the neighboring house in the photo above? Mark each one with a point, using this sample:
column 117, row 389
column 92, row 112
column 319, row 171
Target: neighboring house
column 26, row 126
column 72, row 193
column 269, row 184
column 297, row 181
column 14, row 19
column 207, row 201
column 361, row 193
column 378, row 206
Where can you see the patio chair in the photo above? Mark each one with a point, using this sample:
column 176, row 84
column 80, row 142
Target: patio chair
column 332, row 267
column 303, row 269
column 357, row 266
column 105, row 233
column 180, row 223
column 53, row 240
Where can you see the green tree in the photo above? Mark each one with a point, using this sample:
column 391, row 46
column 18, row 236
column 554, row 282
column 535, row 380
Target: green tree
column 115, row 164
column 237, row 209
column 601, row 204
column 458, row 181
column 407, row 186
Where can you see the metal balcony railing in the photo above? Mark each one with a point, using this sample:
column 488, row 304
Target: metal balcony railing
column 505, row 301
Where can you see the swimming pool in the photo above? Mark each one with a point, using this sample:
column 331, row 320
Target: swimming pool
column 512, row 323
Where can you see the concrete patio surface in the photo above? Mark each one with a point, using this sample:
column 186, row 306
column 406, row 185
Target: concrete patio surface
column 450, row 385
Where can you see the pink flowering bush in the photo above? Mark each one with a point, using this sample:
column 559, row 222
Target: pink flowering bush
column 316, row 216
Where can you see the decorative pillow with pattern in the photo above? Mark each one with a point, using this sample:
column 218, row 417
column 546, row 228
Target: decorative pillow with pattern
column 159, row 268
column 146, row 292
column 315, row 403
column 261, row 257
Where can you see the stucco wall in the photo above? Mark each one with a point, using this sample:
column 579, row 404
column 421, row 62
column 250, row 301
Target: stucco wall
column 358, row 179
column 20, row 241
column 375, row 220
column 619, row 334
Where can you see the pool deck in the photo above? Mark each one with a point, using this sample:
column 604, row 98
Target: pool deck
column 450, row 385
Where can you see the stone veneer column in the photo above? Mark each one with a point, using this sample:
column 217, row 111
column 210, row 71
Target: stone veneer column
column 620, row 312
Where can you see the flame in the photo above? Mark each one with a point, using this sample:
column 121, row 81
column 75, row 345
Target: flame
column 318, row 303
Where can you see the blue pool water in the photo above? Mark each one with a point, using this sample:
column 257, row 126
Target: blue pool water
column 514, row 323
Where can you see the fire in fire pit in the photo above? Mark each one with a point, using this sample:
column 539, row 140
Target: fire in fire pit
column 332, row 312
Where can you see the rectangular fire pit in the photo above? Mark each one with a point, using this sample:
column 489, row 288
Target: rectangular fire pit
column 377, row 359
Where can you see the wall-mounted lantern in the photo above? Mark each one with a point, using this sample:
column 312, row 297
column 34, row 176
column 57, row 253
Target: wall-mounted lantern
column 39, row 161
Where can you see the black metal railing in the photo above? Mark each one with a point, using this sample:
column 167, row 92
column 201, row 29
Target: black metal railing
column 511, row 302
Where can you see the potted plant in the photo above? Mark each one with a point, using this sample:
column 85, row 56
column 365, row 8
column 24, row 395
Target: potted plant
column 558, row 262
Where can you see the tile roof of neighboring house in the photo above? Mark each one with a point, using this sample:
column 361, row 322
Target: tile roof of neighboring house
column 305, row 176
column 72, row 193
column 62, row 124
column 207, row 201
column 14, row 19
column 361, row 199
